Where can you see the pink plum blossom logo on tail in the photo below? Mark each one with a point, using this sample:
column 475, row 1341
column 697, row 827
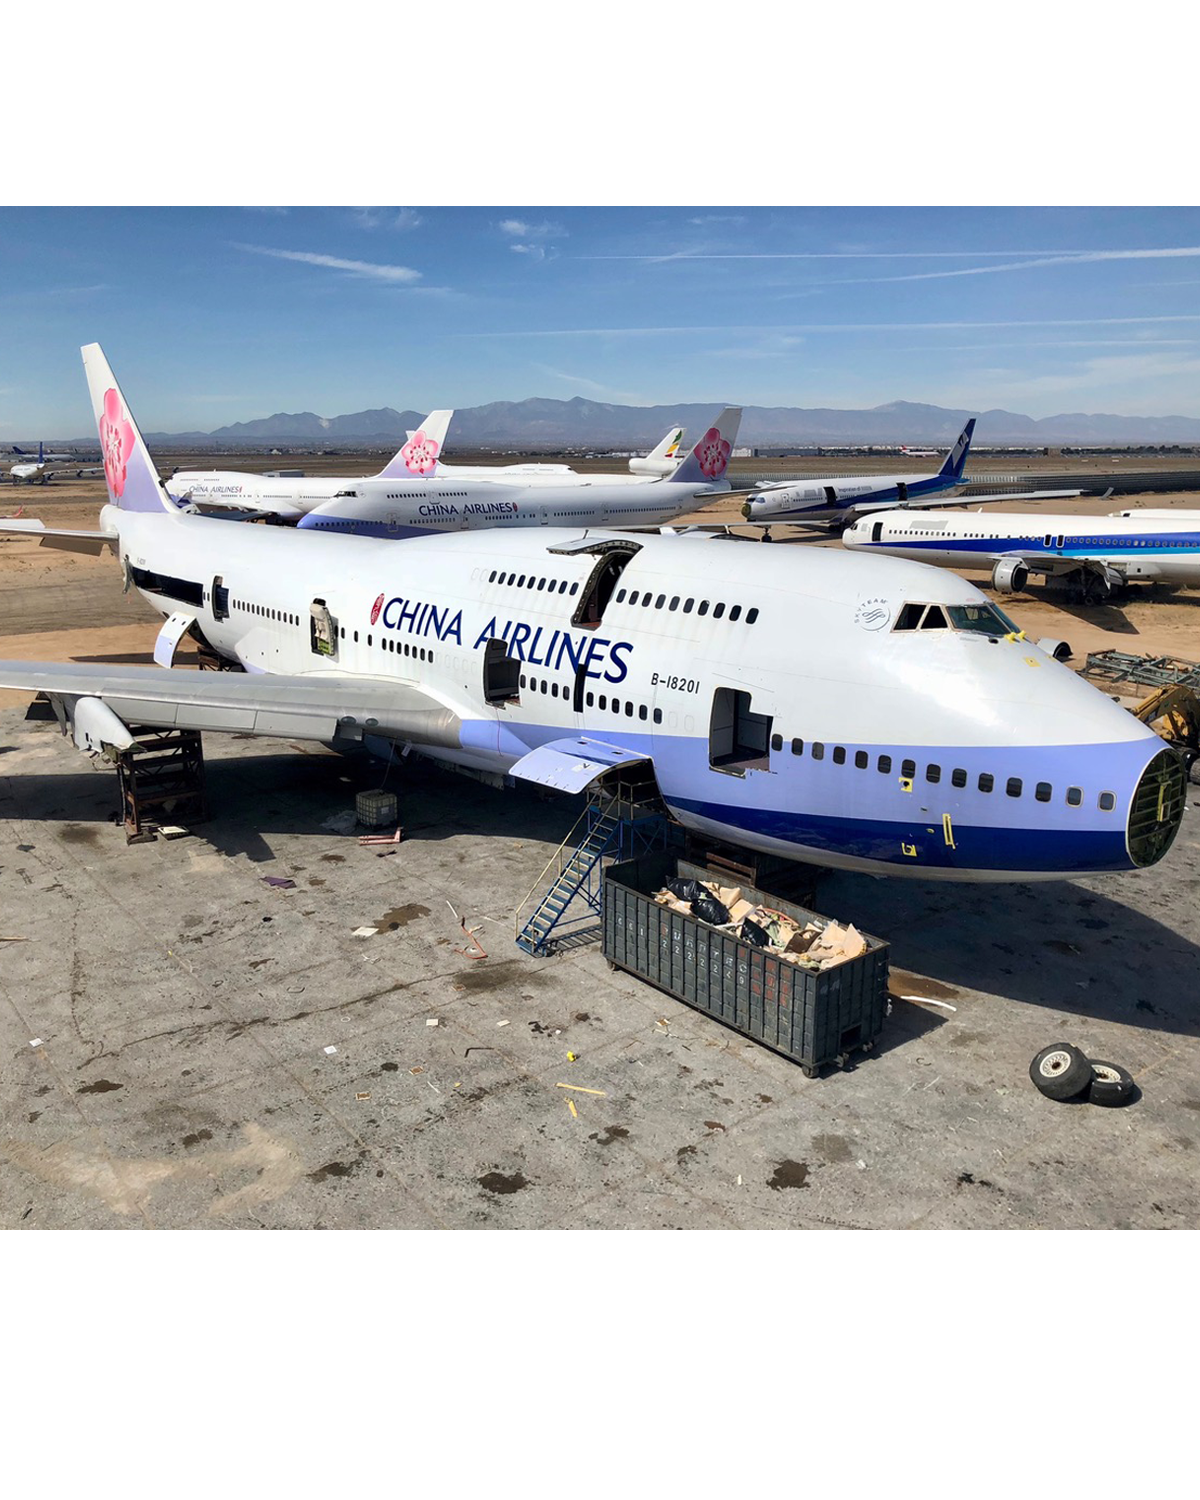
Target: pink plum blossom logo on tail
column 713, row 451
column 420, row 453
column 116, row 442
column 376, row 608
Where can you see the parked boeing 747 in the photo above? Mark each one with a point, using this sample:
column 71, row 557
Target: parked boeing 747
column 418, row 461
column 780, row 697
column 1096, row 554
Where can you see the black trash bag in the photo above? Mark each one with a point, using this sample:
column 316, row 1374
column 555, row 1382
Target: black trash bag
column 687, row 890
column 753, row 934
column 709, row 909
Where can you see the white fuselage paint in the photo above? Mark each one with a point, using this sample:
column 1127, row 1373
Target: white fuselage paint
column 808, row 637
column 1162, row 545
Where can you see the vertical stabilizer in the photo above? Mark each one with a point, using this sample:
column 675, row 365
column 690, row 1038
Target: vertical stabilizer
column 421, row 455
column 957, row 457
column 132, row 479
column 709, row 459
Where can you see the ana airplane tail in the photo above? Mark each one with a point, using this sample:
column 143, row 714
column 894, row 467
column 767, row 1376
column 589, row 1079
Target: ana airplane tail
column 957, row 457
column 419, row 458
column 709, row 459
column 132, row 479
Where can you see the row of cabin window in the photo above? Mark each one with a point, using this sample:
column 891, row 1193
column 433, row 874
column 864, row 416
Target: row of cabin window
column 523, row 581
column 265, row 613
column 613, row 705
column 1043, row 791
column 647, row 598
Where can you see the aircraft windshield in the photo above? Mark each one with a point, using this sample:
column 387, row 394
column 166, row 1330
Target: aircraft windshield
column 984, row 618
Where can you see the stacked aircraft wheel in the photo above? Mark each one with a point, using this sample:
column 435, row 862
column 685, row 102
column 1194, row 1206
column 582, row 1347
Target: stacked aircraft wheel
column 1062, row 1071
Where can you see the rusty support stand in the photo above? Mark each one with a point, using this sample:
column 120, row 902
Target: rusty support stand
column 161, row 781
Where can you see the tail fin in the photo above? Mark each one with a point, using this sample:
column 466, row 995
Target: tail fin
column 41, row 452
column 419, row 457
column 132, row 479
column 957, row 457
column 709, row 459
column 662, row 460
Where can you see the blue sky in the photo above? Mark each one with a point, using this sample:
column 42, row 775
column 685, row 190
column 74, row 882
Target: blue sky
column 214, row 315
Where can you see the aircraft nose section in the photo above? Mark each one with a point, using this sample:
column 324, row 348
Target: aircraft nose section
column 1156, row 808
column 748, row 510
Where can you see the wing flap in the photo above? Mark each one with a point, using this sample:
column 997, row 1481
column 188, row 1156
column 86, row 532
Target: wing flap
column 92, row 542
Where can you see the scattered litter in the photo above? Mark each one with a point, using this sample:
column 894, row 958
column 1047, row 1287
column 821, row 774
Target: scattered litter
column 434, row 1087
column 37, row 1042
column 173, row 831
column 575, row 1089
column 433, row 1021
column 501, row 1023
column 924, row 1000
column 571, row 1107
column 456, row 916
column 384, row 853
column 13, row 940
column 739, row 1179
column 416, row 1070
column 362, row 1096
column 364, row 932
column 473, row 943
column 572, row 1056
column 280, row 881
column 330, row 1049
column 861, row 1165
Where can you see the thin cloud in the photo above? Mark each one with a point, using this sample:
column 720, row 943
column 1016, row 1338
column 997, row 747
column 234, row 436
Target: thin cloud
column 376, row 218
column 392, row 275
column 521, row 230
column 1074, row 259
column 605, row 391
column 802, row 328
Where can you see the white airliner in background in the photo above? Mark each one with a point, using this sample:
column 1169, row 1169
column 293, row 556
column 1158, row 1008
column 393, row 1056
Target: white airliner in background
column 418, row 460
column 918, row 452
column 45, row 466
column 781, row 697
column 397, row 509
column 1095, row 553
column 836, row 500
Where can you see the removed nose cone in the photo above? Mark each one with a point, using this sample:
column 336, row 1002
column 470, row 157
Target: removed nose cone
column 747, row 511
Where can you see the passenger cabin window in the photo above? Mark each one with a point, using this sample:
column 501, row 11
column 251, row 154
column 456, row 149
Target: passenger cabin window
column 738, row 738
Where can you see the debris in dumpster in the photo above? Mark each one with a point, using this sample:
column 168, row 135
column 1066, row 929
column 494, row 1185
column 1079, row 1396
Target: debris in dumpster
column 812, row 946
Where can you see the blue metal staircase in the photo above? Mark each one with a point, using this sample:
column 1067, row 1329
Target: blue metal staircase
column 612, row 826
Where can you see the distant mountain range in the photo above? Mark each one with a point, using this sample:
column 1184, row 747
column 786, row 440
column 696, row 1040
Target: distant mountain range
column 542, row 423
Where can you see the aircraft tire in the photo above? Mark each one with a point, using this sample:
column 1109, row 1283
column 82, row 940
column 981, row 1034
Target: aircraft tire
column 1111, row 1085
column 1061, row 1071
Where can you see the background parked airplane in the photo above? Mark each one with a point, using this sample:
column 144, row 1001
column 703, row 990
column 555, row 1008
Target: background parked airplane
column 836, row 500
column 42, row 469
column 1096, row 553
column 558, row 655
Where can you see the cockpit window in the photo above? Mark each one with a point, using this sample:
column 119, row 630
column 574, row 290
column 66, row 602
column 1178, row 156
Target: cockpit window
column 980, row 617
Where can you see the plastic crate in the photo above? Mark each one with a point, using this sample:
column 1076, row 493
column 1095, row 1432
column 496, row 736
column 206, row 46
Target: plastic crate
column 814, row 1017
column 377, row 809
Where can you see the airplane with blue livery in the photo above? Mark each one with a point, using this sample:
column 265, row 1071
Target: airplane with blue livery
column 868, row 714
column 835, row 501
column 1099, row 555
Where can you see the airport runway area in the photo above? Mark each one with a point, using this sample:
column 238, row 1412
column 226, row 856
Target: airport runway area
column 195, row 1037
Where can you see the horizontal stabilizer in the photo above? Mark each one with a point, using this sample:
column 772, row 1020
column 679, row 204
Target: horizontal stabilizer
column 65, row 541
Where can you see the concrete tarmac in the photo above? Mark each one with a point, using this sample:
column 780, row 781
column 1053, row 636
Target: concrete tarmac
column 187, row 1046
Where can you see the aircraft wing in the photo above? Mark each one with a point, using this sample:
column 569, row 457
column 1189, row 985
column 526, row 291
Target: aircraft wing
column 101, row 702
column 964, row 502
column 231, row 511
column 66, row 541
column 1050, row 563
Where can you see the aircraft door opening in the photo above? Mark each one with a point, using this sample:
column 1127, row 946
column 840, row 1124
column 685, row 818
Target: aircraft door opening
column 501, row 674
column 739, row 740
